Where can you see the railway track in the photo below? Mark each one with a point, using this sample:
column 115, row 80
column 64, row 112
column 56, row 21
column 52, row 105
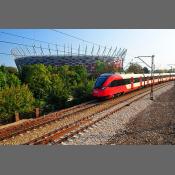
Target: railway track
column 80, row 123
column 12, row 131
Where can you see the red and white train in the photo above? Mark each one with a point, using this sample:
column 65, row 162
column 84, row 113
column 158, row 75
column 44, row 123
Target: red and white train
column 109, row 85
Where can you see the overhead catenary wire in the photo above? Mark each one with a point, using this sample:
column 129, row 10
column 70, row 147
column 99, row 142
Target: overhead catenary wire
column 26, row 45
column 58, row 31
column 78, row 38
column 35, row 48
column 32, row 39
column 10, row 54
column 81, row 39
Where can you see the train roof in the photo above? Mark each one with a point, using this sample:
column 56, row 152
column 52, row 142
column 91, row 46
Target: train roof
column 135, row 75
column 107, row 74
column 143, row 75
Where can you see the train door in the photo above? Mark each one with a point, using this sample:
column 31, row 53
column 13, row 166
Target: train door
column 132, row 82
column 147, row 80
column 143, row 80
column 140, row 81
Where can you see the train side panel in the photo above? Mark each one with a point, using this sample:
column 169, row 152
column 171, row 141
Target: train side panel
column 118, row 83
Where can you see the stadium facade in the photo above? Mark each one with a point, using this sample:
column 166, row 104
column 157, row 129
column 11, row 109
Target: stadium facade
column 88, row 61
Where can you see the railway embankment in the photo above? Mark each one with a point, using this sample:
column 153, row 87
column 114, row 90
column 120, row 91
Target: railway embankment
column 154, row 125
column 139, row 115
column 106, row 122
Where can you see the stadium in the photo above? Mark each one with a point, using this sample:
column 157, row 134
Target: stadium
column 89, row 61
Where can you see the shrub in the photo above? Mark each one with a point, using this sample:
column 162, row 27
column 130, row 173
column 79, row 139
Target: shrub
column 38, row 79
column 8, row 79
column 15, row 99
column 58, row 94
column 84, row 90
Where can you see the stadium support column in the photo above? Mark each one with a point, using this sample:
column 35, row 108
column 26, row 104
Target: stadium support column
column 152, row 77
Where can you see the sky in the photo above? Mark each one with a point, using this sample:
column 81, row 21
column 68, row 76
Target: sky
column 138, row 42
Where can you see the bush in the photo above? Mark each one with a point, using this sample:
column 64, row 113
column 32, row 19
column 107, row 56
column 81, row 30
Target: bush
column 134, row 68
column 12, row 80
column 84, row 90
column 2, row 80
column 15, row 99
column 8, row 79
column 37, row 77
column 59, row 93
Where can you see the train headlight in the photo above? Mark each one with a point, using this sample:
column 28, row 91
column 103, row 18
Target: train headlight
column 103, row 88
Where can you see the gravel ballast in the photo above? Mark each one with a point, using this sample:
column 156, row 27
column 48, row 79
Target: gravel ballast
column 105, row 131
column 155, row 125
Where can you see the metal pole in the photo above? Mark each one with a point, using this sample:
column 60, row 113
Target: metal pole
column 41, row 50
column 118, row 52
column 114, row 52
column 79, row 50
column 19, row 52
column 109, row 51
column 71, row 49
column 64, row 50
column 34, row 50
column 92, row 50
column 49, row 49
column 86, row 50
column 57, row 49
column 103, row 54
column 23, row 51
column 67, row 50
column 152, row 77
column 152, row 72
column 28, row 51
column 98, row 51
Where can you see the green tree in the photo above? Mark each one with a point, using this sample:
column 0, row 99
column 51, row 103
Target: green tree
column 8, row 79
column 15, row 99
column 110, row 67
column 37, row 77
column 145, row 70
column 12, row 80
column 100, row 67
column 3, row 69
column 81, row 73
column 58, row 94
column 135, row 68
column 161, row 71
column 2, row 80
column 103, row 67
column 12, row 70
column 84, row 90
column 68, row 76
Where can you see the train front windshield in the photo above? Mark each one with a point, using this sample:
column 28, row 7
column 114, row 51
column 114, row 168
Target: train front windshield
column 99, row 82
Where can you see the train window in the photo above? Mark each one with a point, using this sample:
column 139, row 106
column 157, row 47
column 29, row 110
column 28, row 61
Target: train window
column 99, row 82
column 127, row 81
column 136, row 80
column 116, row 83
